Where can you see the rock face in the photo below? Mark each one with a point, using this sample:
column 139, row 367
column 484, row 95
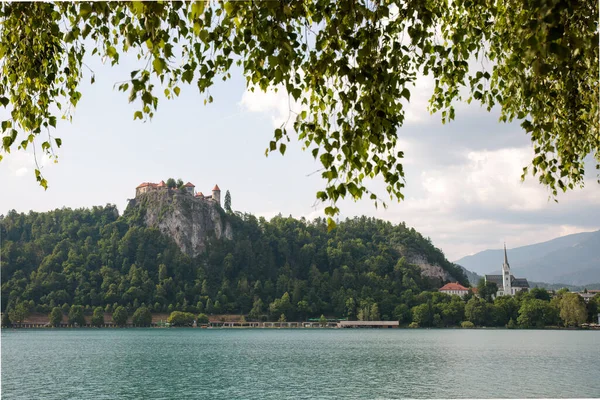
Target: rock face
column 430, row 270
column 190, row 221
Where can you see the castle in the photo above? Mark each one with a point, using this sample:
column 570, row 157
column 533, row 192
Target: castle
column 507, row 284
column 188, row 188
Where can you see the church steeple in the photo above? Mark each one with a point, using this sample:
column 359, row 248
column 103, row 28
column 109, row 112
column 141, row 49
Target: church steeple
column 506, row 278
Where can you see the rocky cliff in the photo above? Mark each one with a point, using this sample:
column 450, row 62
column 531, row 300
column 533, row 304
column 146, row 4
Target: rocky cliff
column 189, row 221
column 430, row 270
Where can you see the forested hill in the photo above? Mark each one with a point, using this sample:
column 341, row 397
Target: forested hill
column 94, row 257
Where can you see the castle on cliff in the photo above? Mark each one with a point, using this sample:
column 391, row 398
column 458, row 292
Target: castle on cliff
column 188, row 188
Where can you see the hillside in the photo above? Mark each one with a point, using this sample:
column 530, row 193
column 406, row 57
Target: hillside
column 152, row 256
column 572, row 260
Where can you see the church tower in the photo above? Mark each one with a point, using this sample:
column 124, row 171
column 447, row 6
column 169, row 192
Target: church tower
column 506, row 283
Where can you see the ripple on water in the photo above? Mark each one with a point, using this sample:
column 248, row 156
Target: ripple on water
column 271, row 364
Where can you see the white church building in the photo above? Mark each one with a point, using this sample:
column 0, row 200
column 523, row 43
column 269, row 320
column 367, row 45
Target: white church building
column 507, row 284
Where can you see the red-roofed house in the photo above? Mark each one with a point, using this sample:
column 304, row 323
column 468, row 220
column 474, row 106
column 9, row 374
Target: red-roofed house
column 454, row 288
column 189, row 187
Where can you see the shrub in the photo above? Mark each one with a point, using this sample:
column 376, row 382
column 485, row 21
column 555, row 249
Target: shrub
column 413, row 325
column 142, row 317
column 180, row 318
column 98, row 317
column 120, row 316
column 511, row 324
column 467, row 324
column 202, row 318
column 76, row 315
column 56, row 316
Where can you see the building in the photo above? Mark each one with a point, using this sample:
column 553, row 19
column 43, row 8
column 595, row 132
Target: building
column 507, row 284
column 188, row 188
column 454, row 288
column 587, row 295
column 368, row 324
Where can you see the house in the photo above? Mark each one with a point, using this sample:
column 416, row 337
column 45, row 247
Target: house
column 507, row 284
column 586, row 295
column 454, row 288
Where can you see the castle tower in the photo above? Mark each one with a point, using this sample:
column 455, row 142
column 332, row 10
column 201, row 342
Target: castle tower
column 216, row 194
column 506, row 282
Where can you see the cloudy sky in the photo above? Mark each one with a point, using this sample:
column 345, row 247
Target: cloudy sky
column 463, row 184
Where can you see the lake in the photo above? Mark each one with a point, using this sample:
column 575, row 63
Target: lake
column 298, row 363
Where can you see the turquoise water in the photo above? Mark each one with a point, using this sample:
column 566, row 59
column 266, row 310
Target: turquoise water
column 302, row 363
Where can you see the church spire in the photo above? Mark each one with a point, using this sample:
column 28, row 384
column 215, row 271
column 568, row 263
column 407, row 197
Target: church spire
column 505, row 256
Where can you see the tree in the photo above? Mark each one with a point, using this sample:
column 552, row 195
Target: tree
column 487, row 290
column 19, row 313
column 162, row 272
column 76, row 315
column 351, row 75
column 257, row 309
column 202, row 319
column 142, row 317
column 180, row 318
column 476, row 311
column 593, row 308
column 572, row 309
column 453, row 312
column 323, row 320
column 209, row 306
column 422, row 314
column 98, row 317
column 374, row 314
column 540, row 293
column 535, row 313
column 120, row 316
column 6, row 323
column 467, row 324
column 171, row 184
column 55, row 317
column 228, row 202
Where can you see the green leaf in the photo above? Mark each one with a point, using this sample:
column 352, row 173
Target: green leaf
column 138, row 115
column 197, row 9
column 159, row 65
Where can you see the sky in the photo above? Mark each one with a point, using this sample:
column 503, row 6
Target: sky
column 463, row 187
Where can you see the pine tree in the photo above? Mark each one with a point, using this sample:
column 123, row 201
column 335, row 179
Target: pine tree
column 228, row 202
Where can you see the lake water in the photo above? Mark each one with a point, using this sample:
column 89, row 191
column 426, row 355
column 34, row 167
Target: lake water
column 301, row 363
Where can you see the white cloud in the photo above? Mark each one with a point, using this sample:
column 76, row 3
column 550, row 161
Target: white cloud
column 274, row 102
column 21, row 171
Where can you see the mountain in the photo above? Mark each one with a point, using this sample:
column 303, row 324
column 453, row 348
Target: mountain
column 571, row 260
column 170, row 251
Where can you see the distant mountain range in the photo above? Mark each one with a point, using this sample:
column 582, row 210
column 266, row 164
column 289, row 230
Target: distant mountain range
column 570, row 260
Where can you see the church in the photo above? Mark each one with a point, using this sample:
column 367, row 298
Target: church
column 507, row 284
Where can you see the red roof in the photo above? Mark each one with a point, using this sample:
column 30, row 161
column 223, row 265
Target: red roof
column 189, row 185
column 144, row 184
column 161, row 184
column 199, row 194
column 453, row 286
column 216, row 188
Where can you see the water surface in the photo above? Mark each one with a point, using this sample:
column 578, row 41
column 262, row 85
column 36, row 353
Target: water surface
column 300, row 363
